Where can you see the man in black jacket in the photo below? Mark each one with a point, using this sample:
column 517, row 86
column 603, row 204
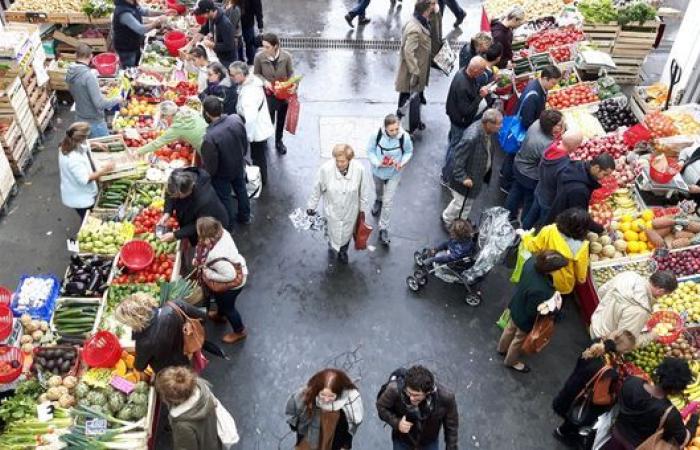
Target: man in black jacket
column 251, row 12
column 223, row 40
column 416, row 408
column 223, row 151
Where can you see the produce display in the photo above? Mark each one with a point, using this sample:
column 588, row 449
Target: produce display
column 598, row 11
column 613, row 144
column 521, row 67
column 55, row 360
column 613, row 115
column 533, row 10
column 181, row 92
column 114, row 194
column 648, row 357
column 74, row 319
column 35, row 296
column 541, row 60
column 561, row 54
column 148, row 218
column 684, row 122
column 34, row 332
column 624, row 12
column 607, row 88
column 145, row 194
column 654, row 96
column 673, row 233
column 86, row 277
column 682, row 263
column 569, row 77
column 138, row 138
column 137, row 114
column 625, row 207
column 177, row 151
column 660, row 124
column 161, row 248
column 583, row 121
column 159, row 271
column 66, row 6
column 554, row 37
column 579, row 94
column 103, row 237
column 684, row 301
column 602, row 275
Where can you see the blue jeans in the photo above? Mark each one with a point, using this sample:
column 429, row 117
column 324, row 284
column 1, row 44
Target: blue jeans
column 453, row 138
column 223, row 187
column 520, row 194
column 359, row 9
column 454, row 7
column 537, row 214
column 129, row 59
column 98, row 129
column 398, row 445
column 249, row 39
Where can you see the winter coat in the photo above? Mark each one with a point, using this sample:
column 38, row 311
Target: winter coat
column 251, row 11
column 532, row 289
column 575, row 185
column 463, row 99
column 234, row 16
column 194, row 421
column 226, row 90
column 224, row 38
column 224, row 271
column 343, row 198
column 504, row 35
column 188, row 125
column 466, row 54
column 472, row 160
column 160, row 344
column 414, row 59
column 280, row 69
column 391, row 147
column 554, row 160
column 531, row 105
column 203, row 202
column 252, row 107
column 224, row 148
column 549, row 238
column 90, row 105
column 77, row 190
column 349, row 403
column 528, row 158
column 625, row 304
column 440, row 409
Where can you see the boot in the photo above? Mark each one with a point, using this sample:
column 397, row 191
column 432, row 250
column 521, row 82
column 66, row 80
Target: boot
column 363, row 20
column 232, row 338
column 281, row 148
column 348, row 19
column 376, row 208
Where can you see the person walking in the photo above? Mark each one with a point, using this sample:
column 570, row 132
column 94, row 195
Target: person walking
column 476, row 46
column 223, row 157
column 220, row 85
column 472, row 165
column 218, row 33
column 233, row 12
column 456, row 10
column 344, row 187
column 78, row 178
column 414, row 56
column 502, row 31
column 388, row 153
column 270, row 65
column 358, row 11
column 218, row 257
column 252, row 109
column 128, row 29
column 251, row 12
column 183, row 124
column 436, row 40
column 90, row 105
column 416, row 407
column 325, row 413
column 535, row 287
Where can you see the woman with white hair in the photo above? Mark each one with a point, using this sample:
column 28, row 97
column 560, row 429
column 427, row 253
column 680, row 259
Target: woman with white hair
column 182, row 123
column 502, row 31
column 344, row 186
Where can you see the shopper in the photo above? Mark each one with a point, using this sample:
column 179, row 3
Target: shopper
column 129, row 30
column 221, row 86
column 219, row 260
column 577, row 181
column 344, row 187
column 251, row 12
column 252, row 109
column 602, row 360
column 414, row 56
column 626, row 301
column 456, row 10
column 358, row 11
column 535, row 287
column 472, row 165
column 190, row 195
column 182, row 124
column 197, row 63
column 191, row 409
column 388, row 152
column 554, row 160
column 233, row 12
column 218, row 33
column 274, row 64
column 416, row 407
column 645, row 408
column 90, row 105
column 476, row 46
column 689, row 158
column 223, row 156
column 78, row 178
column 325, row 413
column 502, row 31
column 526, row 163
column 156, row 331
column 568, row 237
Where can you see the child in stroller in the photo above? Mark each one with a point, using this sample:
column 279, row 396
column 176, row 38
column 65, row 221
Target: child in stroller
column 459, row 246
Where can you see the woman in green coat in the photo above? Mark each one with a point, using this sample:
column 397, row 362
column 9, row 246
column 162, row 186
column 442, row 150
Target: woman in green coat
column 535, row 286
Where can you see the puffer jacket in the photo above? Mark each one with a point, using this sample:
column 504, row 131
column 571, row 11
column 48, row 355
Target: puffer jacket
column 252, row 107
column 194, row 421
column 391, row 147
column 625, row 304
column 224, row 271
column 90, row 105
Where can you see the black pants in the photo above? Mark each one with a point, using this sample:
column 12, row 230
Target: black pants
column 258, row 153
column 81, row 212
column 278, row 114
column 223, row 187
column 226, row 306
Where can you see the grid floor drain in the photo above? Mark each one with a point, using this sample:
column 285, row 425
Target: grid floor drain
column 317, row 43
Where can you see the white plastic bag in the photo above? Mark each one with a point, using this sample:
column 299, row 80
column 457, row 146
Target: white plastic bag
column 603, row 427
column 225, row 427
column 253, row 181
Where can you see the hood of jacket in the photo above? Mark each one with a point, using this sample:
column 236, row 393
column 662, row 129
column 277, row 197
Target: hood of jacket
column 196, row 408
column 554, row 152
column 396, row 138
column 579, row 173
column 77, row 72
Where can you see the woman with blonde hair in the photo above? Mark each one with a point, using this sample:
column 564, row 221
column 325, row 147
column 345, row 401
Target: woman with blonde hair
column 78, row 178
column 156, row 330
column 344, row 187
column 601, row 354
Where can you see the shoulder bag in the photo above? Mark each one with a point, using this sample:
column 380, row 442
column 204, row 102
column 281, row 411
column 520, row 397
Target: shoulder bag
column 445, row 58
column 592, row 394
column 362, row 228
column 218, row 287
column 225, row 426
column 540, row 335
column 192, row 331
column 656, row 440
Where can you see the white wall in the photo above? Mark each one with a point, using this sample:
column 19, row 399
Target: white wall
column 686, row 47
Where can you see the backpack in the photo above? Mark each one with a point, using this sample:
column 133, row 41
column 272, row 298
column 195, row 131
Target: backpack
column 379, row 138
column 399, row 376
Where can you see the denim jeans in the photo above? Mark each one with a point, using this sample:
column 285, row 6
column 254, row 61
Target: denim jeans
column 520, row 194
column 223, row 187
column 359, row 9
column 250, row 48
column 226, row 306
column 537, row 214
column 385, row 190
column 454, row 7
column 129, row 59
column 398, row 445
column 98, row 129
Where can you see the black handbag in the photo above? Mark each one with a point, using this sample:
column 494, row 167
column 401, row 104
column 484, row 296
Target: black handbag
column 581, row 411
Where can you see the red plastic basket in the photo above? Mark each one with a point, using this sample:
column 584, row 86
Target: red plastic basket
column 106, row 63
column 178, row 7
column 7, row 356
column 5, row 295
column 102, row 350
column 6, row 321
column 137, row 255
column 663, row 177
column 669, row 317
column 174, row 41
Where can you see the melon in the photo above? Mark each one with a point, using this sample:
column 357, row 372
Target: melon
column 620, row 245
column 596, row 247
column 605, row 240
column 609, row 251
column 591, row 236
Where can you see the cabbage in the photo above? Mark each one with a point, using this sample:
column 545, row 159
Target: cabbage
column 138, row 412
column 141, row 387
column 138, row 399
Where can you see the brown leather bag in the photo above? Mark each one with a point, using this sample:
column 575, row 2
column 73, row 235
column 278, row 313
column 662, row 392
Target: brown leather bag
column 192, row 332
column 540, row 335
column 656, row 441
column 218, row 287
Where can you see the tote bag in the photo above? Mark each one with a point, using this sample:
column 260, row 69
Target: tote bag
column 293, row 111
column 523, row 255
column 512, row 131
column 225, row 426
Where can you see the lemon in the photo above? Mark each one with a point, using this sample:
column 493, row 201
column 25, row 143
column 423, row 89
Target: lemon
column 626, row 218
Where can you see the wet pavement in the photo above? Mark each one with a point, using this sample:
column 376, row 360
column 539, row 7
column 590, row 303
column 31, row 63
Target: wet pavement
column 302, row 310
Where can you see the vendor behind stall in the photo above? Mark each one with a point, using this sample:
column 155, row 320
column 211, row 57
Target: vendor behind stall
column 128, row 29
column 222, row 39
column 182, row 123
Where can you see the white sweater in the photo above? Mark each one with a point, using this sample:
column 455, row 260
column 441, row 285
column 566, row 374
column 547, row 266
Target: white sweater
column 223, row 271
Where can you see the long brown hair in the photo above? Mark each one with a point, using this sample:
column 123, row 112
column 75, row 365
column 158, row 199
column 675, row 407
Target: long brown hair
column 75, row 135
column 335, row 380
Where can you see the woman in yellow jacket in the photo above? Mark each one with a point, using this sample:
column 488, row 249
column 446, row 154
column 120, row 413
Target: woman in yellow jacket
column 567, row 236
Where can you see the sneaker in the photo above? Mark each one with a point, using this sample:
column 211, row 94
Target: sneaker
column 363, row 20
column 376, row 208
column 348, row 19
column 281, row 148
column 384, row 237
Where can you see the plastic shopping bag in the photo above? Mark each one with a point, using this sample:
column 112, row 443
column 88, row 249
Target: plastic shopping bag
column 523, row 255
column 502, row 321
column 513, row 132
column 293, row 111
column 225, row 426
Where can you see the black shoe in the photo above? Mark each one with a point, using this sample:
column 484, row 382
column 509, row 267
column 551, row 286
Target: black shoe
column 423, row 101
column 343, row 256
column 247, row 221
column 384, row 237
column 348, row 19
column 421, row 126
column 363, row 20
column 460, row 19
column 281, row 148
column 376, row 208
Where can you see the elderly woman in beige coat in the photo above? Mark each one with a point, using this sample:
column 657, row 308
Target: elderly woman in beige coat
column 344, row 185
column 414, row 65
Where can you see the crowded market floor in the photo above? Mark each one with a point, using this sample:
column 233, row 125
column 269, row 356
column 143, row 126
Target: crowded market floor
column 305, row 312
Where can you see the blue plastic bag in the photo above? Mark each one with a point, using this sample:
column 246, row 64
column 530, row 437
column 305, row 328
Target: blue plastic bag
column 512, row 133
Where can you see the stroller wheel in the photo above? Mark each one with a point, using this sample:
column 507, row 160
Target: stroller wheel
column 412, row 284
column 472, row 300
column 418, row 258
column 421, row 276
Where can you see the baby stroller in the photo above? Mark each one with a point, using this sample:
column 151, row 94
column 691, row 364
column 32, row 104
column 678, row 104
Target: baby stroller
column 494, row 236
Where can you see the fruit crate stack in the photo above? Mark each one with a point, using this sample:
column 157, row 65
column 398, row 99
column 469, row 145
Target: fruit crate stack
column 41, row 98
column 7, row 178
column 70, row 36
column 15, row 103
column 57, row 70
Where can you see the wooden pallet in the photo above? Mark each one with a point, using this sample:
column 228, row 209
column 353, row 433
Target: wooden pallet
column 97, row 44
column 602, row 35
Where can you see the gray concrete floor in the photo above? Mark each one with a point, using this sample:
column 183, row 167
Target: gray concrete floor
column 303, row 311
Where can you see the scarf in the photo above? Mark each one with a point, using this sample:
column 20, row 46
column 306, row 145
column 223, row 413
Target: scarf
column 423, row 21
column 202, row 251
column 350, row 403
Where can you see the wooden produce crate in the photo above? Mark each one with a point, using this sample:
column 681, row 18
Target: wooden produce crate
column 46, row 114
column 96, row 301
column 57, row 76
column 67, row 36
column 7, row 181
column 603, row 35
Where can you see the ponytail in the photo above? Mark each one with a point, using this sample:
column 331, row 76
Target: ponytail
column 75, row 135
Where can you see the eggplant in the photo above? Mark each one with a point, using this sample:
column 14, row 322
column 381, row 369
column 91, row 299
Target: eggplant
column 76, row 261
column 75, row 288
column 94, row 281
